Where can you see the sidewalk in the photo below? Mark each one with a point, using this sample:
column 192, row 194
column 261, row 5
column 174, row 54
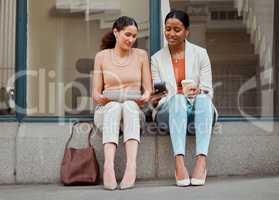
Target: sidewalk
column 221, row 188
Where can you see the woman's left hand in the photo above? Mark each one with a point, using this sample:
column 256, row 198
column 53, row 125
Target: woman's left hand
column 193, row 92
column 145, row 98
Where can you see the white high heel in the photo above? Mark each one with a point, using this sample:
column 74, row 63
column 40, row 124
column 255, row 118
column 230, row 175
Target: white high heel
column 127, row 186
column 110, row 187
column 182, row 183
column 198, row 182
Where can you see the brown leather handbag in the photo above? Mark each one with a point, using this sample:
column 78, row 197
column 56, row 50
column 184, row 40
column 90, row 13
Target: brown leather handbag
column 79, row 166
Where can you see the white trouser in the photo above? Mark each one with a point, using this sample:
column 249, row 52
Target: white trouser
column 113, row 116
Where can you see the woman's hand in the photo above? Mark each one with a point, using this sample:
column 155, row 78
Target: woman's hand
column 193, row 91
column 144, row 99
column 156, row 97
column 102, row 100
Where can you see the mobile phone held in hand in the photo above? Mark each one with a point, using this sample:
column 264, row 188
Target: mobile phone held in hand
column 160, row 87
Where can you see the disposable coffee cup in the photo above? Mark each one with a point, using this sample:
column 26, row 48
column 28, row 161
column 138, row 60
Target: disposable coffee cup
column 186, row 85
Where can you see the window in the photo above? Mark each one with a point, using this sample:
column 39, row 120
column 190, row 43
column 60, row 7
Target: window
column 63, row 38
column 240, row 50
column 7, row 56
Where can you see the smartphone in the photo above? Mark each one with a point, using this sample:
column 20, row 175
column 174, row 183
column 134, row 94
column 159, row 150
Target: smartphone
column 160, row 87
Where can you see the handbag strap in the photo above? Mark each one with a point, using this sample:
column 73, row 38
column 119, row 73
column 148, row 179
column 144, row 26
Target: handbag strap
column 72, row 132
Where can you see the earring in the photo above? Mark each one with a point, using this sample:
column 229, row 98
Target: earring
column 116, row 38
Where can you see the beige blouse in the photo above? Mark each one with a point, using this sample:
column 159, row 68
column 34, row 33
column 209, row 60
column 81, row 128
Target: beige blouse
column 124, row 76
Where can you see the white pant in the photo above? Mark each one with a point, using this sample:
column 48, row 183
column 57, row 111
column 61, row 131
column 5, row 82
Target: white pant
column 112, row 116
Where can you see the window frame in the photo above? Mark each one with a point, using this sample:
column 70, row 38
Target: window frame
column 276, row 58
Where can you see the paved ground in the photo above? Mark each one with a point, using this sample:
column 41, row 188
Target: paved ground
column 222, row 188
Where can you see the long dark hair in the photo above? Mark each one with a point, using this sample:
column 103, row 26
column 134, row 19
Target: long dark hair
column 180, row 15
column 109, row 40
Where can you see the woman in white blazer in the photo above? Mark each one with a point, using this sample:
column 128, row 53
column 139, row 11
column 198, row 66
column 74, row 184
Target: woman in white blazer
column 182, row 60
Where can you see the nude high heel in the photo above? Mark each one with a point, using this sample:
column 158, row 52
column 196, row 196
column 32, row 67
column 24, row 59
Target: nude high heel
column 198, row 182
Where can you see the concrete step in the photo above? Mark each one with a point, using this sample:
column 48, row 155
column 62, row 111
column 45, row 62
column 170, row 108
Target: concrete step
column 230, row 108
column 227, row 81
column 227, row 98
column 227, row 36
column 223, row 71
column 219, row 59
column 33, row 152
column 233, row 63
column 231, row 49
column 236, row 111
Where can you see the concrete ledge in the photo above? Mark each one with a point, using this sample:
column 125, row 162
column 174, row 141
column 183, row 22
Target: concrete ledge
column 235, row 155
column 165, row 163
column 237, row 148
column 244, row 155
column 36, row 151
column 40, row 150
column 145, row 160
column 7, row 152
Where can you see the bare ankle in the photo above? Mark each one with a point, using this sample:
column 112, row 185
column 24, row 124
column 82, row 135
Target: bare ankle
column 108, row 166
column 201, row 157
column 179, row 162
column 131, row 164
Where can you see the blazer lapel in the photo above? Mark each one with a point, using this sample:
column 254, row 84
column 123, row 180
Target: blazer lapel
column 189, row 60
column 168, row 70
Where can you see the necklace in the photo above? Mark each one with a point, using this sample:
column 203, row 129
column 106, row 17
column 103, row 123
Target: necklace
column 123, row 62
column 176, row 55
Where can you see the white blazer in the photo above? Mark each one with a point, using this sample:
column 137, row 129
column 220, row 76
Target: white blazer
column 197, row 68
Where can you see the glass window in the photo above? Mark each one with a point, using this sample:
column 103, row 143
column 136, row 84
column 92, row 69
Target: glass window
column 63, row 38
column 238, row 36
column 7, row 56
